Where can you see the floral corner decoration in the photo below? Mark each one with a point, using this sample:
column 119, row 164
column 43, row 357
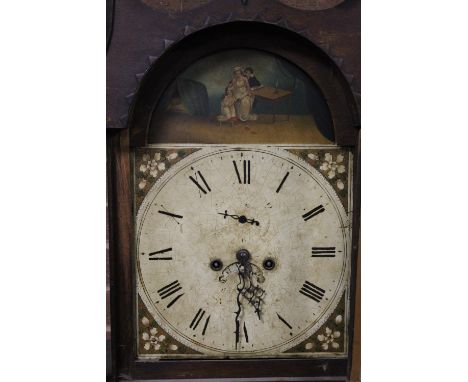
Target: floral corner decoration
column 328, row 339
column 333, row 168
column 155, row 341
column 333, row 165
column 151, row 164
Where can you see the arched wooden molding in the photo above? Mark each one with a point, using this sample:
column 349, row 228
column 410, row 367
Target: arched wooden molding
column 311, row 5
column 180, row 6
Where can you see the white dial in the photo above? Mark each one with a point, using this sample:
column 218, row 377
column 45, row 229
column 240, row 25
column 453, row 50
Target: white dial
column 241, row 251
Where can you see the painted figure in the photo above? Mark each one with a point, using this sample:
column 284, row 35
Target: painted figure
column 228, row 111
column 240, row 89
column 254, row 83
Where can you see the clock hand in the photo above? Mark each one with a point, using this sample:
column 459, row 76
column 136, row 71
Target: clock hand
column 240, row 287
column 247, row 273
column 242, row 219
column 253, row 293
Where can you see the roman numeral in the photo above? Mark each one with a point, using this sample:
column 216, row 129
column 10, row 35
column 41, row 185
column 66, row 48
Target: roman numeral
column 246, row 334
column 172, row 302
column 312, row 291
column 171, row 214
column 246, row 173
column 284, row 321
column 169, row 290
column 323, row 251
column 208, row 189
column 158, row 253
column 282, row 182
column 196, row 320
column 313, row 212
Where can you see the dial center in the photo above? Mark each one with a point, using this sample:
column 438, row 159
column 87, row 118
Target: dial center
column 242, row 219
column 243, row 255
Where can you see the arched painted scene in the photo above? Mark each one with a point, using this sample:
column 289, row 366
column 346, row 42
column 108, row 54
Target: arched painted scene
column 242, row 96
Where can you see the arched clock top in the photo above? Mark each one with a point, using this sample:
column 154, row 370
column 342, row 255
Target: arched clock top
column 338, row 119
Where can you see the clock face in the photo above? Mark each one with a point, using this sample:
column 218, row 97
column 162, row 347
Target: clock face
column 241, row 252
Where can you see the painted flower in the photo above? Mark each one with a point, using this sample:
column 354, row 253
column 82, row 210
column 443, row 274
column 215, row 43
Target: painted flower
column 145, row 321
column 157, row 156
column 340, row 184
column 339, row 319
column 153, row 172
column 331, row 167
column 152, row 340
column 309, row 345
column 146, row 158
column 313, row 156
column 142, row 184
column 161, row 166
column 173, row 347
column 173, row 156
column 328, row 339
column 143, row 167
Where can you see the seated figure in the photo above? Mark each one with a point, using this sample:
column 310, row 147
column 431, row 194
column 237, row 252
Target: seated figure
column 254, row 83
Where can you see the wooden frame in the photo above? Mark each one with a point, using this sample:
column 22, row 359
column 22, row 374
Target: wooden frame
column 344, row 113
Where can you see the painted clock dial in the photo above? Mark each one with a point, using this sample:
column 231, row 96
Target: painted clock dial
column 241, row 251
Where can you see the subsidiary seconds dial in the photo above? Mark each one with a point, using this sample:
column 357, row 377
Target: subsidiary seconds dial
column 241, row 251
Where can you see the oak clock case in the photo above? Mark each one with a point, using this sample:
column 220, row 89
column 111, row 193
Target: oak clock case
column 241, row 229
column 242, row 251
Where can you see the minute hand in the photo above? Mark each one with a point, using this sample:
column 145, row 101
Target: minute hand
column 241, row 219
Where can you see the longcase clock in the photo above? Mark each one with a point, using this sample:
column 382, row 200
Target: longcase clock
column 234, row 206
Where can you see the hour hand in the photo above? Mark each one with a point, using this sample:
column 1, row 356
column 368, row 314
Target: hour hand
column 241, row 219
